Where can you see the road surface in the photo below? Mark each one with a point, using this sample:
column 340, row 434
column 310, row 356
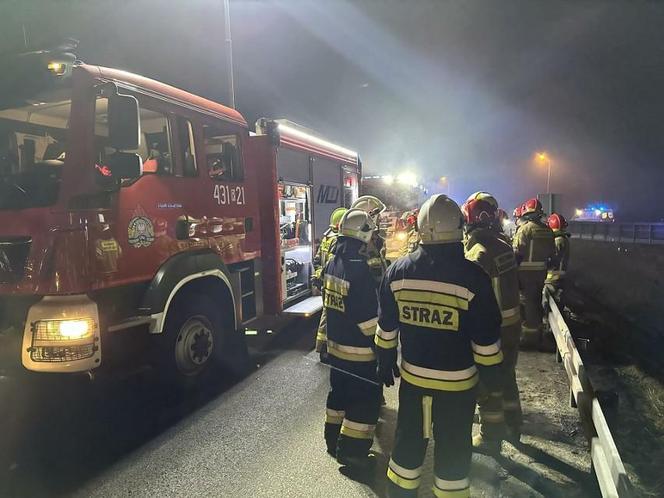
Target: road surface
column 259, row 437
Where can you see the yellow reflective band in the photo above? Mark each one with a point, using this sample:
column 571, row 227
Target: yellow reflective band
column 427, row 421
column 451, row 489
column 334, row 301
column 357, row 431
column 431, row 285
column 334, row 416
column 382, row 343
column 486, row 350
column 430, row 297
column 385, row 334
column 488, row 360
column 432, row 316
column 368, row 328
column 440, row 385
column 532, row 265
column 403, row 482
column 350, row 353
column 321, row 335
column 511, row 405
column 459, row 493
column 336, row 284
column 492, row 417
column 507, row 322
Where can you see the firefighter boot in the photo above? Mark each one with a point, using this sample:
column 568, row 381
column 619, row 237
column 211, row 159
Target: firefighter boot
column 486, row 446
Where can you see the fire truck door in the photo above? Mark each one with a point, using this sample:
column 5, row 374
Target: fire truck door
column 327, row 192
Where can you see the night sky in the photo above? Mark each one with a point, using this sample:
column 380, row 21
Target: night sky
column 465, row 89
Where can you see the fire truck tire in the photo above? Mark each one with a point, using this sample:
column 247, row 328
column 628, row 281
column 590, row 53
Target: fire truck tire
column 193, row 336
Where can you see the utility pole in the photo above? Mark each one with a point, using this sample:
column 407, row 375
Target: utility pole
column 229, row 53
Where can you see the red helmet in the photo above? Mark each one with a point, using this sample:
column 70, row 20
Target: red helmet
column 518, row 211
column 532, row 206
column 557, row 222
column 479, row 212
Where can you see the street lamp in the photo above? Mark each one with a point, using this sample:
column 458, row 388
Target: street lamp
column 446, row 180
column 546, row 159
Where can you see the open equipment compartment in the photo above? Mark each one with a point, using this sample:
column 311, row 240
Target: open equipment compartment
column 296, row 239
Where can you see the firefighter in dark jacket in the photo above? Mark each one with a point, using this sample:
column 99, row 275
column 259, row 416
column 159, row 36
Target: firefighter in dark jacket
column 375, row 249
column 442, row 308
column 323, row 256
column 534, row 248
column 555, row 278
column 350, row 299
column 485, row 245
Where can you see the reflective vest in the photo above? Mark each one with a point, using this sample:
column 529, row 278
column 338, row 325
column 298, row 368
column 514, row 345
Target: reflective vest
column 442, row 308
column 534, row 246
column 488, row 249
column 411, row 242
column 561, row 258
column 323, row 255
column 375, row 252
column 351, row 304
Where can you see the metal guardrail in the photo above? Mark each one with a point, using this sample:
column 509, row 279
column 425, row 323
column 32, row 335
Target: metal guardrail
column 606, row 463
column 635, row 233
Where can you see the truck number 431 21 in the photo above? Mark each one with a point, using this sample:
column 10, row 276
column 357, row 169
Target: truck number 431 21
column 226, row 194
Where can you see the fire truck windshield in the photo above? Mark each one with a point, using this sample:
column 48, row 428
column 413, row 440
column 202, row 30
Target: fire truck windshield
column 32, row 150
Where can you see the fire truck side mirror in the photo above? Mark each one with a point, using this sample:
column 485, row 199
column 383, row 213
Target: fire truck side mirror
column 123, row 122
column 125, row 165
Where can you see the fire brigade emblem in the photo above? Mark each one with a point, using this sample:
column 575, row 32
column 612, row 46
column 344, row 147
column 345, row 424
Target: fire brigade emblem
column 140, row 232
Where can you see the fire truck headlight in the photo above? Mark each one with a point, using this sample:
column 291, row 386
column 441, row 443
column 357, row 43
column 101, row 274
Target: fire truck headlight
column 64, row 330
column 62, row 334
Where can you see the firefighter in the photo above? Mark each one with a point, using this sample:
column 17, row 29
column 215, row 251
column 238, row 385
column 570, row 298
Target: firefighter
column 484, row 245
column 349, row 296
column 409, row 219
column 534, row 247
column 487, row 197
column 374, row 207
column 323, row 256
column 555, row 278
column 443, row 309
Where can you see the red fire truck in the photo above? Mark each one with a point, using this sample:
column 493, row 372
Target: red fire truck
column 141, row 223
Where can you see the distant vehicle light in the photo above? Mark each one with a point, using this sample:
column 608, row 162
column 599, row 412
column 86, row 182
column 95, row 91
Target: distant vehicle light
column 389, row 179
column 407, row 178
column 57, row 68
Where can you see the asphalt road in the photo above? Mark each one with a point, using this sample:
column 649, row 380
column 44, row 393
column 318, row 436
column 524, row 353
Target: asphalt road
column 257, row 437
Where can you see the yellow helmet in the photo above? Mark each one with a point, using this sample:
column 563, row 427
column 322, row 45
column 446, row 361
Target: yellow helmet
column 335, row 217
column 440, row 221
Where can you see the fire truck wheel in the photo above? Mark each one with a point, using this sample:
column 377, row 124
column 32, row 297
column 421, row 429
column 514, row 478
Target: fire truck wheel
column 192, row 333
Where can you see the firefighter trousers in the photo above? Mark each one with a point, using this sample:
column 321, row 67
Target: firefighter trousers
column 321, row 333
column 353, row 404
column 496, row 412
column 531, row 283
column 446, row 415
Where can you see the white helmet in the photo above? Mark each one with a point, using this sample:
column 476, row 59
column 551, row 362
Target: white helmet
column 357, row 224
column 370, row 204
column 440, row 221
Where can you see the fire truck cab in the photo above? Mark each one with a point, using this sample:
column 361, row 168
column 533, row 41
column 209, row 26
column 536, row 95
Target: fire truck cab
column 141, row 223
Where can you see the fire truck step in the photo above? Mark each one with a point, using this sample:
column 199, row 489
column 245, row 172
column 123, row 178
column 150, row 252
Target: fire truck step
column 306, row 308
